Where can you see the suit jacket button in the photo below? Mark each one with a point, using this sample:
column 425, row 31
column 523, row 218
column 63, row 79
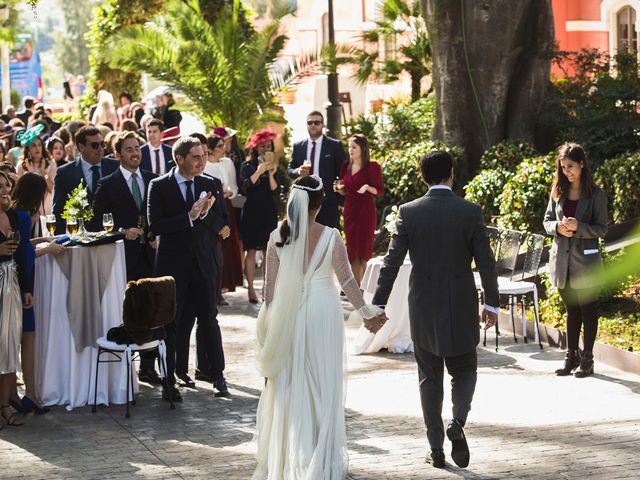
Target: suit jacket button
column 567, row 251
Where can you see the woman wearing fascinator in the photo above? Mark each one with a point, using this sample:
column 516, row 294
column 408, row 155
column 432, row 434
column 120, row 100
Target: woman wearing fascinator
column 300, row 421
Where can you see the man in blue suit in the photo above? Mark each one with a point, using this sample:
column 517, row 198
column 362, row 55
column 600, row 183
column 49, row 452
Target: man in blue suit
column 324, row 156
column 157, row 157
column 90, row 168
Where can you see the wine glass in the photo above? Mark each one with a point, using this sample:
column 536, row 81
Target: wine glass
column 14, row 236
column 51, row 224
column 72, row 226
column 107, row 222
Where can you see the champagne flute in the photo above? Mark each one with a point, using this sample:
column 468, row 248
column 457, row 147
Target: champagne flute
column 107, row 222
column 51, row 224
column 72, row 226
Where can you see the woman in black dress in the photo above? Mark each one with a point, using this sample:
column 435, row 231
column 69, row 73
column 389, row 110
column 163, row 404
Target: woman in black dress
column 259, row 182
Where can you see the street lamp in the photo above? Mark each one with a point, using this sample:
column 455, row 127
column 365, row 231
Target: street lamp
column 334, row 109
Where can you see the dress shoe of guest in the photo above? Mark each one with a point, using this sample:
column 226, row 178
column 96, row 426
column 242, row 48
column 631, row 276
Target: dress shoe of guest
column 436, row 458
column 185, row 380
column 203, row 376
column 459, row 447
column 220, row 388
column 29, row 405
column 172, row 393
column 149, row 376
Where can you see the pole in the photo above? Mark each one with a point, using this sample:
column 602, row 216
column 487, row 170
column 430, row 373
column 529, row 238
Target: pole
column 334, row 109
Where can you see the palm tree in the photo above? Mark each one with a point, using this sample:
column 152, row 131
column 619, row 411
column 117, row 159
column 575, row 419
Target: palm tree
column 399, row 19
column 223, row 69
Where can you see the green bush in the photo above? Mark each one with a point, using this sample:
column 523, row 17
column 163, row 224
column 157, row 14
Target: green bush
column 507, row 155
column 64, row 117
column 619, row 177
column 526, row 194
column 485, row 189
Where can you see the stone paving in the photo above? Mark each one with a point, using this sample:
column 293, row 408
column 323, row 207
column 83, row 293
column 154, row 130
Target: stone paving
column 525, row 423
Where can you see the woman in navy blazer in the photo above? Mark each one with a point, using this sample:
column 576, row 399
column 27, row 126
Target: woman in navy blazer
column 576, row 217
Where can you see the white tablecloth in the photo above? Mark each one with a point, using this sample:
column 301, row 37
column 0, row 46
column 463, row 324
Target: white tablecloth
column 63, row 376
column 395, row 335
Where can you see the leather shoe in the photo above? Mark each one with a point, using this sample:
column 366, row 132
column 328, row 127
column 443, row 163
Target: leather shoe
column 459, row 447
column 172, row 393
column 220, row 388
column 185, row 380
column 437, row 458
column 149, row 376
column 204, row 376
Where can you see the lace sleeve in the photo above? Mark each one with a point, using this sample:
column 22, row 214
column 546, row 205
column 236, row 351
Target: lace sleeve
column 271, row 270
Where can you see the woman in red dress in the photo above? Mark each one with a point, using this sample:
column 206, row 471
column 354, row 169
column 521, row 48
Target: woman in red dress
column 360, row 182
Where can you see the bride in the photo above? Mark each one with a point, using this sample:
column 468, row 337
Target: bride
column 300, row 420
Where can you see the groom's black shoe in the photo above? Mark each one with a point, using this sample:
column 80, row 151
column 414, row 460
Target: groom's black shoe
column 459, row 447
column 437, row 458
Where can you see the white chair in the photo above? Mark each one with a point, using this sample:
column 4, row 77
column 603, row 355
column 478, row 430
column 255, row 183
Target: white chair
column 129, row 353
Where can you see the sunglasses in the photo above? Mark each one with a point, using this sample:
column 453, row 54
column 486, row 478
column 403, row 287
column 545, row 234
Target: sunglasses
column 314, row 122
column 97, row 145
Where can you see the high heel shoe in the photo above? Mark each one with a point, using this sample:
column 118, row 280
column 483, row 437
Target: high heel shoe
column 571, row 362
column 586, row 365
column 29, row 405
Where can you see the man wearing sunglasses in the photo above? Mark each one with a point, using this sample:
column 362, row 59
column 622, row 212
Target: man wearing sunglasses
column 89, row 168
column 322, row 156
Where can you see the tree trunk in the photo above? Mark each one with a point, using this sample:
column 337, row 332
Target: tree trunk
column 506, row 41
column 415, row 87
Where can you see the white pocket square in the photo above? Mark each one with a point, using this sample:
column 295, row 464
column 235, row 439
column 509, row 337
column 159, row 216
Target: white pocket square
column 591, row 251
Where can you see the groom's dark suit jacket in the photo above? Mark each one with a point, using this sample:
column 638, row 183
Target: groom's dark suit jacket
column 443, row 234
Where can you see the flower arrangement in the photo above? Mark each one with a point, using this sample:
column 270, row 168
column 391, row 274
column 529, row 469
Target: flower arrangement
column 391, row 219
column 77, row 205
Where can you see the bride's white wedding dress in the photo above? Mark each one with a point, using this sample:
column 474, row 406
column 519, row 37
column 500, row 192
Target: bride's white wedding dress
column 300, row 420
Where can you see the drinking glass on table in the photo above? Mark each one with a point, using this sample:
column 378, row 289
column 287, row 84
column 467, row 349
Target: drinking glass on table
column 51, row 224
column 107, row 222
column 72, row 226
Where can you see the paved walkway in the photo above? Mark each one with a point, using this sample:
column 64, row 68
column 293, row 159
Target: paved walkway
column 526, row 423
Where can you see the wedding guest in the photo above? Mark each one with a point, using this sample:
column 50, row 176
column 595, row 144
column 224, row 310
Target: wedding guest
column 15, row 293
column 576, row 217
column 105, row 111
column 156, row 155
column 170, row 116
column 237, row 156
column 56, row 148
column 360, row 182
column 37, row 160
column 3, row 152
column 259, row 182
column 26, row 199
column 128, row 125
column 222, row 168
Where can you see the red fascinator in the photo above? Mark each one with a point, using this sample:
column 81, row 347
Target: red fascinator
column 266, row 135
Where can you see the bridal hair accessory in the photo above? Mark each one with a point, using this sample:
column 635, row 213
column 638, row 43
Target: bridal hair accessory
column 311, row 189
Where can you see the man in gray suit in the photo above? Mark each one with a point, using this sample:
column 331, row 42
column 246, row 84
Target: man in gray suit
column 443, row 234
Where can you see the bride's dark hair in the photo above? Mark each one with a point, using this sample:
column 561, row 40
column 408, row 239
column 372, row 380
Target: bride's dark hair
column 315, row 202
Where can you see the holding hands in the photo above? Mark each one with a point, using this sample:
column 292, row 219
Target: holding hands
column 375, row 324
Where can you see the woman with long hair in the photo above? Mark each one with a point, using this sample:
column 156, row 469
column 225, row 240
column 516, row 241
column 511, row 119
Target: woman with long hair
column 105, row 111
column 37, row 160
column 361, row 183
column 300, row 424
column 576, row 217
column 57, row 151
column 259, row 182
column 15, row 293
column 221, row 167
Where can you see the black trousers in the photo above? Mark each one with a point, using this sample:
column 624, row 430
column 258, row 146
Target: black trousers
column 581, row 311
column 196, row 300
column 463, row 371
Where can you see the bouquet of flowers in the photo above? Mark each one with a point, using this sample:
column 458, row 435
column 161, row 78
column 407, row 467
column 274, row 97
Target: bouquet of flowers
column 77, row 205
column 390, row 220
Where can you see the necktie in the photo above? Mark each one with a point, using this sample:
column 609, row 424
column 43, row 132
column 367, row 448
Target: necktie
column 313, row 156
column 135, row 191
column 157, row 172
column 190, row 199
column 95, row 176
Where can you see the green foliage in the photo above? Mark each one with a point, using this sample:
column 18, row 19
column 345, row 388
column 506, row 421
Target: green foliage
column 619, row 177
column 596, row 104
column 401, row 171
column 485, row 189
column 223, row 73
column 64, row 117
column 526, row 194
column 506, row 154
column 72, row 50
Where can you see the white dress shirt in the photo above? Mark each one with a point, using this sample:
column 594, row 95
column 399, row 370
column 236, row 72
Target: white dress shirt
column 87, row 173
column 182, row 184
column 316, row 160
column 128, row 177
column 163, row 165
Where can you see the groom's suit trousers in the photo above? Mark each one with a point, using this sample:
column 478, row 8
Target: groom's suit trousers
column 463, row 371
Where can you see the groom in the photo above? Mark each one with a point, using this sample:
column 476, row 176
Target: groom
column 443, row 234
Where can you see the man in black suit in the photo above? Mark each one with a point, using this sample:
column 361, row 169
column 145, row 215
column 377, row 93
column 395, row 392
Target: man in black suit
column 443, row 234
column 322, row 156
column 180, row 213
column 124, row 195
column 28, row 109
column 90, row 168
column 156, row 156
